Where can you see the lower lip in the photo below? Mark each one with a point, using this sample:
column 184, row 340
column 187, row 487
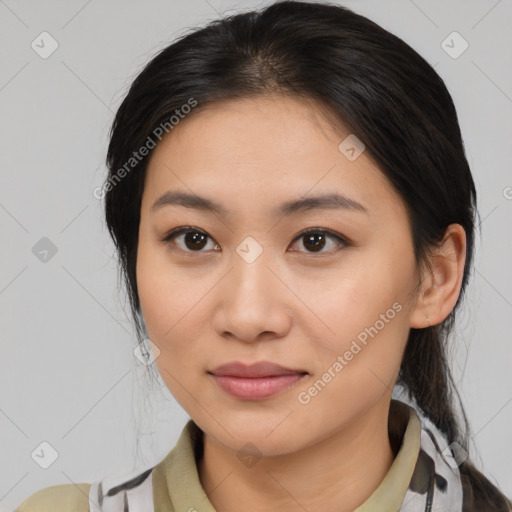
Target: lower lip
column 256, row 388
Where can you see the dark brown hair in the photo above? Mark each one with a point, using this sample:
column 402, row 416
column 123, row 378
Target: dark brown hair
column 375, row 85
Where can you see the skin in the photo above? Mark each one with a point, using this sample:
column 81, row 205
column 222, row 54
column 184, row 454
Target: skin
column 292, row 306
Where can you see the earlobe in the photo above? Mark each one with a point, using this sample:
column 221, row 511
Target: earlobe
column 441, row 285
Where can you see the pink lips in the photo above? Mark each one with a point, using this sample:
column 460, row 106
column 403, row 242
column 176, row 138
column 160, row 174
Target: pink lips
column 257, row 381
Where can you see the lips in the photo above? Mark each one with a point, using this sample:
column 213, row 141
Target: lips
column 255, row 370
column 257, row 381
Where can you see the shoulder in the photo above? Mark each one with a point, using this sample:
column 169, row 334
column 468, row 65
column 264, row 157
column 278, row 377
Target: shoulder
column 58, row 498
column 113, row 494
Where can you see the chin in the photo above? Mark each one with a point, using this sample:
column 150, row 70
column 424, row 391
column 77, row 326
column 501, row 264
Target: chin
column 267, row 432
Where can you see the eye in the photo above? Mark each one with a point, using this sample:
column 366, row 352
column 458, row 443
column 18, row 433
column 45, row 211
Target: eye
column 195, row 239
column 315, row 239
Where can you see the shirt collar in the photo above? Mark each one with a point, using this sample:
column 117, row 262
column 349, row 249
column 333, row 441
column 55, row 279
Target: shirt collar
column 390, row 493
column 176, row 483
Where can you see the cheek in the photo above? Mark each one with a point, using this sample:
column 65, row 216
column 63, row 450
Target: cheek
column 171, row 304
column 360, row 361
column 165, row 297
column 347, row 304
column 164, row 291
column 154, row 293
column 366, row 312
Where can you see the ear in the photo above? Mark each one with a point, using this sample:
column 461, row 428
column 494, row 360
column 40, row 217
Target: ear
column 441, row 284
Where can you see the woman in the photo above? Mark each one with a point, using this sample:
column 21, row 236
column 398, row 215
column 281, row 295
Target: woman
column 294, row 217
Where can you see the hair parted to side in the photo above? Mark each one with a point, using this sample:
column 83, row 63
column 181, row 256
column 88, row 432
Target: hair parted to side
column 376, row 86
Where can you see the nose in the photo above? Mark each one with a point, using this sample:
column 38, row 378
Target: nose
column 252, row 302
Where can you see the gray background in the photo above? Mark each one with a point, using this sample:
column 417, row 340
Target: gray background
column 68, row 373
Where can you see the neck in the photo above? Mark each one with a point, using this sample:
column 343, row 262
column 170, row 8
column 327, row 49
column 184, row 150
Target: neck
column 338, row 473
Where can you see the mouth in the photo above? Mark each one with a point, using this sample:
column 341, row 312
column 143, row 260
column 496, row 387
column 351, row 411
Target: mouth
column 256, row 381
column 254, row 370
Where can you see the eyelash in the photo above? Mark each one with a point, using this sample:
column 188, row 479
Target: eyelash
column 341, row 240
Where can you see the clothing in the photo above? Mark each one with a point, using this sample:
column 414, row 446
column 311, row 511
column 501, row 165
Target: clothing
column 420, row 479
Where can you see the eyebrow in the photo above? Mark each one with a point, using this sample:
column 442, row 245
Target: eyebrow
column 319, row 202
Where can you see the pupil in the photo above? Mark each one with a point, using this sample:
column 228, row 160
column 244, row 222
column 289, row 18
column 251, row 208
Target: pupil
column 197, row 240
column 314, row 240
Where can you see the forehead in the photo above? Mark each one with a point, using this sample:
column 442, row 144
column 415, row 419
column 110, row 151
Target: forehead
column 261, row 151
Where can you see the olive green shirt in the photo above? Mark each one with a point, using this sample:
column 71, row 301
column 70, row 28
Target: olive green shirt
column 177, row 488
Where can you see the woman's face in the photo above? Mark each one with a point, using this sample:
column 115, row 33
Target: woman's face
column 243, row 285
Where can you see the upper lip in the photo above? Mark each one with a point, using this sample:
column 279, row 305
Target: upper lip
column 259, row 369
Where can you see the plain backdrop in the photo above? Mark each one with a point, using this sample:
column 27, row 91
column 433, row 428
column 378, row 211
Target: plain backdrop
column 68, row 372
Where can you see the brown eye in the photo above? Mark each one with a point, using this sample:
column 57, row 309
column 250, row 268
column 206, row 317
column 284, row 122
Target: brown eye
column 194, row 239
column 315, row 240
